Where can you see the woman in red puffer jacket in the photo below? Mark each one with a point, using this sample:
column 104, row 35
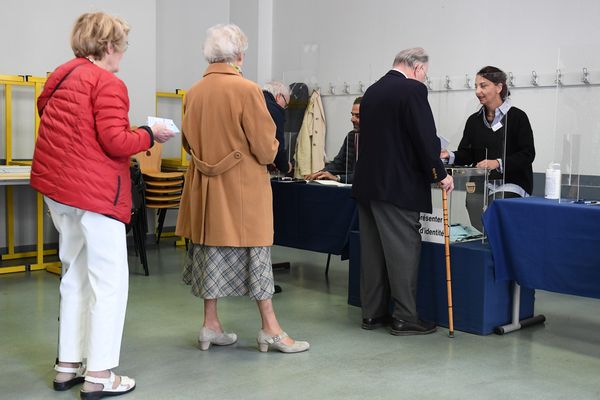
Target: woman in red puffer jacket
column 81, row 166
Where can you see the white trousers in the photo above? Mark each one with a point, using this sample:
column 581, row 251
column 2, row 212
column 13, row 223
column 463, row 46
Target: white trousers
column 93, row 287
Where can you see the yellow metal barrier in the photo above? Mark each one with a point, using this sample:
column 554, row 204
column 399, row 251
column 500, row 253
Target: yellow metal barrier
column 9, row 81
column 37, row 83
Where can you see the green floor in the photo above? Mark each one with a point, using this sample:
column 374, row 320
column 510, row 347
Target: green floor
column 560, row 360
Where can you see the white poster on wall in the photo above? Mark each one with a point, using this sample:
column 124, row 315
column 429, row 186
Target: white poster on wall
column 432, row 226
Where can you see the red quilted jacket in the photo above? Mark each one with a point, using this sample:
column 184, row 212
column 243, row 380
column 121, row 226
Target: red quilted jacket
column 82, row 152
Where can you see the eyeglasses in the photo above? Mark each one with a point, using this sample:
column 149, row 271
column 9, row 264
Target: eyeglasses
column 285, row 101
column 355, row 115
column 124, row 46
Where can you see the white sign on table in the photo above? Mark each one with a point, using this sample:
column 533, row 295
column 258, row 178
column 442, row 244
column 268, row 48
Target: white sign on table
column 432, row 226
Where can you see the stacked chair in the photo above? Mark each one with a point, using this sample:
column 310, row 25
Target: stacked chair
column 163, row 189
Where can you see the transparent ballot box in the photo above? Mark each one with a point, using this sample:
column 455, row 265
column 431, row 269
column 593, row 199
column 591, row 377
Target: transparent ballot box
column 466, row 204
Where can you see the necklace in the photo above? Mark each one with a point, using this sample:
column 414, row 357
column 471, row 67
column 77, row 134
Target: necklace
column 236, row 67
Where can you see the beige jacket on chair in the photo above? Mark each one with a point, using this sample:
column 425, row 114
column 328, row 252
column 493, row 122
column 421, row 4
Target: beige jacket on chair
column 310, row 145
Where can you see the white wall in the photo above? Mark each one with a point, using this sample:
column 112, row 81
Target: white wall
column 255, row 18
column 180, row 30
column 323, row 42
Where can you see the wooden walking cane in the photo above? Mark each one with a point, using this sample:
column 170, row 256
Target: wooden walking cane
column 447, row 253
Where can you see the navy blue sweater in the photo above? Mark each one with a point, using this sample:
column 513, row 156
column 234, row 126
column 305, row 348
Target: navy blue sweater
column 278, row 114
column 520, row 151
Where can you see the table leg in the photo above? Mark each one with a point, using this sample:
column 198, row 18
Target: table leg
column 517, row 324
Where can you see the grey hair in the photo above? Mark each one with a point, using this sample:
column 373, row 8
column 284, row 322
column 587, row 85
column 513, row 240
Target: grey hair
column 277, row 88
column 224, row 43
column 410, row 57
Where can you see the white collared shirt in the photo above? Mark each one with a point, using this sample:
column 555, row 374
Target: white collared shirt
column 499, row 114
column 402, row 72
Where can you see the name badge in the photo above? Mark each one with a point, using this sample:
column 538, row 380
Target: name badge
column 497, row 126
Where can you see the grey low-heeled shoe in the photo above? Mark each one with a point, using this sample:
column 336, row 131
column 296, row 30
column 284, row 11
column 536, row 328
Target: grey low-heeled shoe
column 208, row 336
column 266, row 342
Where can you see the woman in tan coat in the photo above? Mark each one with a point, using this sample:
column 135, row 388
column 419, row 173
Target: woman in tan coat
column 226, row 207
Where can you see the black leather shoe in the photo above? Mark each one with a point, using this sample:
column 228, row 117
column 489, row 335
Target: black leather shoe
column 373, row 323
column 404, row 328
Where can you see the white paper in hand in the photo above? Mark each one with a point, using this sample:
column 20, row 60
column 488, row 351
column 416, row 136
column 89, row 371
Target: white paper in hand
column 165, row 121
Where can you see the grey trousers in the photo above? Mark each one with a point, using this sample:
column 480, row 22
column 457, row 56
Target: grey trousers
column 390, row 245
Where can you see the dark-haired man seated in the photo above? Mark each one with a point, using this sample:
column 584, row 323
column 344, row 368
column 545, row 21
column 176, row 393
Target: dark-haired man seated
column 341, row 169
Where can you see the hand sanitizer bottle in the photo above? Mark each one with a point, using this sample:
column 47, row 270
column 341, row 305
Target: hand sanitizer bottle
column 553, row 177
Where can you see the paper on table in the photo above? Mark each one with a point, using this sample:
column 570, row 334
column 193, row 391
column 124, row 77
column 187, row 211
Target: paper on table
column 15, row 169
column 330, row 183
column 165, row 121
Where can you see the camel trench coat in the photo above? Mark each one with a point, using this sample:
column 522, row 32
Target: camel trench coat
column 227, row 130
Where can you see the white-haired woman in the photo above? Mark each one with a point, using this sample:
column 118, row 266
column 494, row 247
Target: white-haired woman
column 226, row 207
column 81, row 165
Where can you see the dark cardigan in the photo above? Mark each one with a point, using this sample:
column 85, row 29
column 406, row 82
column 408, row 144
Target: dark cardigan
column 520, row 150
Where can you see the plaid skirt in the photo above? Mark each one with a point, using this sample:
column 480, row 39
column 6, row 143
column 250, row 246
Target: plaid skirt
column 215, row 272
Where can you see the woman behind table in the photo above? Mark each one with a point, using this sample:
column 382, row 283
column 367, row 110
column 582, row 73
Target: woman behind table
column 226, row 207
column 496, row 124
column 81, row 166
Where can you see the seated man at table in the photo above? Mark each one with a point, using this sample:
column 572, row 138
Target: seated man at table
column 341, row 169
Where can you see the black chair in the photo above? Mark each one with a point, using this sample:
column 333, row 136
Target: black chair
column 139, row 220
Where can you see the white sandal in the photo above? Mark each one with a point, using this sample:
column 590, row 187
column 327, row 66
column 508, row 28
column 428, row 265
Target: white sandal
column 126, row 385
column 68, row 384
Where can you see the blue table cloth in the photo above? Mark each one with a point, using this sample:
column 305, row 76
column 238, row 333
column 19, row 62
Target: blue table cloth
column 544, row 244
column 480, row 302
column 312, row 216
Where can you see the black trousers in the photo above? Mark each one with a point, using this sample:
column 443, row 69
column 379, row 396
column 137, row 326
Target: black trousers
column 390, row 245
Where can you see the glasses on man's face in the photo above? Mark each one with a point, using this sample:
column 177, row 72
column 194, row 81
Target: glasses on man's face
column 285, row 101
column 355, row 115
